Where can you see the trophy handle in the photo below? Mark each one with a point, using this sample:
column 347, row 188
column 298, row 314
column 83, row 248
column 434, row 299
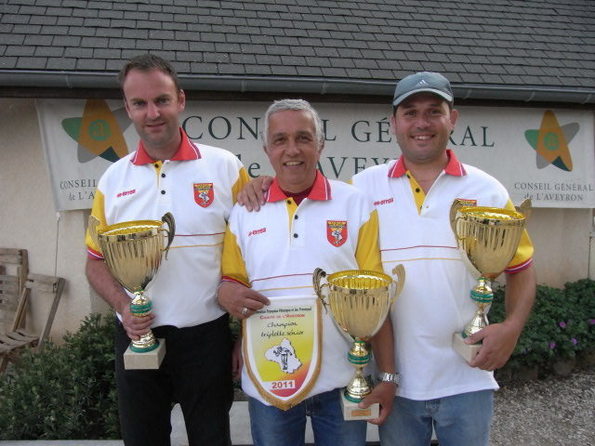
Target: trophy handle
column 399, row 272
column 525, row 208
column 454, row 208
column 171, row 230
column 317, row 277
column 93, row 224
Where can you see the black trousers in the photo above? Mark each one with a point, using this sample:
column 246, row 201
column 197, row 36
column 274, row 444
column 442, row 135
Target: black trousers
column 196, row 372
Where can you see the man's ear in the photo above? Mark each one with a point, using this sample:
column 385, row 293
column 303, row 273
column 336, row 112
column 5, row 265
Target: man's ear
column 182, row 99
column 454, row 115
column 127, row 107
column 393, row 124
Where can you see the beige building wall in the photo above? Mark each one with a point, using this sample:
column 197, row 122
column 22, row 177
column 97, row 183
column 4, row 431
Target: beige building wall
column 56, row 241
column 562, row 244
column 28, row 220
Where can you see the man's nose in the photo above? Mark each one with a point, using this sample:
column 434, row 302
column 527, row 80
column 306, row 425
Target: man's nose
column 292, row 148
column 422, row 121
column 152, row 111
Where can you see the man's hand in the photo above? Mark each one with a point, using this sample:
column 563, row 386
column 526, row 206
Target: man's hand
column 135, row 326
column 239, row 300
column 498, row 342
column 253, row 193
column 104, row 283
column 383, row 393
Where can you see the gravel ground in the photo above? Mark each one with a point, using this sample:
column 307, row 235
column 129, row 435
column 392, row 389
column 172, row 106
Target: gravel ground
column 548, row 412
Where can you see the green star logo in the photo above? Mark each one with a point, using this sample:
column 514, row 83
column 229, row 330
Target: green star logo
column 550, row 142
column 99, row 132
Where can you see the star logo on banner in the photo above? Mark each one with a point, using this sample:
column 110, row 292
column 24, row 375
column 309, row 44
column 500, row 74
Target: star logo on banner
column 99, row 132
column 550, row 142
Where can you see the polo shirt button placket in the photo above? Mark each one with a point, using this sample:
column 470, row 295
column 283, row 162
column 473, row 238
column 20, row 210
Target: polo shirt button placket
column 163, row 193
column 161, row 185
column 297, row 232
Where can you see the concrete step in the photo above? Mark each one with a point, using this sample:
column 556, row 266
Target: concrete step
column 240, row 427
column 240, row 432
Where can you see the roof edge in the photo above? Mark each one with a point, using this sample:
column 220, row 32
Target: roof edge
column 322, row 86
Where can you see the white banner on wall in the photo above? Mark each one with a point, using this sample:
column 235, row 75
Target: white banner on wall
column 544, row 154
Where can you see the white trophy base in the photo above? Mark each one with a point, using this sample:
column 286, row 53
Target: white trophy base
column 467, row 351
column 143, row 361
column 352, row 412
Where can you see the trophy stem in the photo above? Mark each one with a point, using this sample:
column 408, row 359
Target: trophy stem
column 482, row 295
column 358, row 388
column 141, row 306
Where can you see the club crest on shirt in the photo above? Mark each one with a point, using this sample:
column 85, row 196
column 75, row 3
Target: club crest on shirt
column 336, row 232
column 204, row 194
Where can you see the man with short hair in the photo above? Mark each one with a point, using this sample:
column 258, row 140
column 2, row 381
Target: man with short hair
column 438, row 387
column 198, row 185
column 272, row 254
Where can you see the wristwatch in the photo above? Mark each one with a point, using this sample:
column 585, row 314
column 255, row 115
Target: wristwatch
column 389, row 378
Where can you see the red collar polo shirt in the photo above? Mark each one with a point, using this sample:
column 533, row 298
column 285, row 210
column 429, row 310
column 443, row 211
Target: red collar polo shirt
column 199, row 187
column 276, row 250
column 415, row 230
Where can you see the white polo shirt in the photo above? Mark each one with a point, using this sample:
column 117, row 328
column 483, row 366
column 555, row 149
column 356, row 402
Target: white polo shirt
column 198, row 186
column 435, row 301
column 277, row 249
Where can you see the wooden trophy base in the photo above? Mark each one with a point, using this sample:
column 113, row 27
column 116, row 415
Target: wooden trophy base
column 351, row 411
column 467, row 351
column 144, row 361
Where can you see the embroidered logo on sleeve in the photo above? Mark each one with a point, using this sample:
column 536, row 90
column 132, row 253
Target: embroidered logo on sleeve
column 257, row 231
column 204, row 194
column 125, row 193
column 384, row 201
column 336, row 232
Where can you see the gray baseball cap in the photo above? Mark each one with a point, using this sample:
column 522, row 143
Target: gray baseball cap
column 425, row 81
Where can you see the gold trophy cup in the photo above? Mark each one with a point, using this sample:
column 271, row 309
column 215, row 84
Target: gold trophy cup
column 359, row 301
column 133, row 251
column 487, row 239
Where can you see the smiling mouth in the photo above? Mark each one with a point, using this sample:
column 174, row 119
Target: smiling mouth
column 154, row 124
column 422, row 137
column 292, row 163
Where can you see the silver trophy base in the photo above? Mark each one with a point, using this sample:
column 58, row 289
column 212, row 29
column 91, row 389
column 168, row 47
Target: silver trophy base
column 467, row 351
column 144, row 361
column 351, row 411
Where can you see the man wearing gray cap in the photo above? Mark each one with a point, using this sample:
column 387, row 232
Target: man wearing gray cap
column 413, row 195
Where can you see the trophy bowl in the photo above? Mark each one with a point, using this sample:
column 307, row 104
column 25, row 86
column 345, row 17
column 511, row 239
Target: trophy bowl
column 133, row 251
column 359, row 302
column 487, row 238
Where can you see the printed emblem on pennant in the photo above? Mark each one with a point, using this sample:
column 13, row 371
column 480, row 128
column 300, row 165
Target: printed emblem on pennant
column 204, row 194
column 282, row 345
column 336, row 232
